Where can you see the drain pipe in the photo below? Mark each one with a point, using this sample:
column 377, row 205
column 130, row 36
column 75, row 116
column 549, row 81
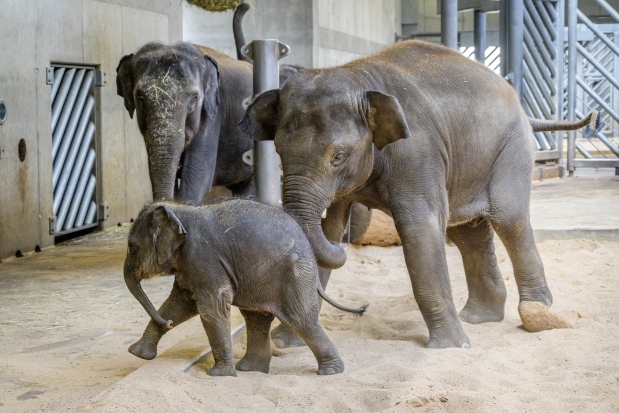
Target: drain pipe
column 265, row 55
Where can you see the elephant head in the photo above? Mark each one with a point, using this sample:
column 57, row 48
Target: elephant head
column 175, row 93
column 153, row 247
column 327, row 130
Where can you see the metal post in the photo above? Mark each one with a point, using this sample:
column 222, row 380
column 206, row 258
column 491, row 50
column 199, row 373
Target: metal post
column 267, row 174
column 479, row 35
column 515, row 42
column 449, row 23
column 572, row 21
column 560, row 24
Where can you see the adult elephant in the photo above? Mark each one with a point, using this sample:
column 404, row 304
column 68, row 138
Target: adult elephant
column 187, row 101
column 435, row 140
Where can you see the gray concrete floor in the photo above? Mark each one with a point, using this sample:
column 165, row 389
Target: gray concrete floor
column 67, row 318
column 586, row 205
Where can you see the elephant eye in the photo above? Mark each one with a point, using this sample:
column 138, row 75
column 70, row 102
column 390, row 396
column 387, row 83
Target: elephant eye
column 133, row 249
column 338, row 158
column 193, row 102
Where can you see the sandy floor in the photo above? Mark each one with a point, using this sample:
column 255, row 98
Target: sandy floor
column 66, row 320
column 387, row 367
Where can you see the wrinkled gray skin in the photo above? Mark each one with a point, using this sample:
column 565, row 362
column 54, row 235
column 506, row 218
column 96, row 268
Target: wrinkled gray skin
column 236, row 252
column 433, row 139
column 187, row 101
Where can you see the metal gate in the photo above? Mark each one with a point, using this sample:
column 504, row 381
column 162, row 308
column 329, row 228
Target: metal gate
column 73, row 148
column 542, row 92
column 593, row 69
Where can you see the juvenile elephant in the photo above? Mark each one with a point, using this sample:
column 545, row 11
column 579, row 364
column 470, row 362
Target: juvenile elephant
column 236, row 252
column 430, row 137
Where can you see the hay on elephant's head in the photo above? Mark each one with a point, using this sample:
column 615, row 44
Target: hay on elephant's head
column 215, row 5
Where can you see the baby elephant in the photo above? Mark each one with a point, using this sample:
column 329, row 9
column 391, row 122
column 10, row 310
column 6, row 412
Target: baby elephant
column 240, row 253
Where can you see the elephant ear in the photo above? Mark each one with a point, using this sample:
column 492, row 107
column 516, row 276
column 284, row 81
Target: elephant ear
column 169, row 233
column 386, row 119
column 124, row 82
column 211, row 89
column 261, row 117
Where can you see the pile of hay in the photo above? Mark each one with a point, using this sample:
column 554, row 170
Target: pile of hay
column 215, row 5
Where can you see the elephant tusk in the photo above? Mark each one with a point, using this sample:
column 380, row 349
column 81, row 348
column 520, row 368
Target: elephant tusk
column 324, row 214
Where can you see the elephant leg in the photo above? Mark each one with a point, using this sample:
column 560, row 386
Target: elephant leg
column 178, row 307
column 423, row 241
column 333, row 227
column 329, row 361
column 487, row 291
column 216, row 321
column 258, row 354
column 510, row 219
column 360, row 218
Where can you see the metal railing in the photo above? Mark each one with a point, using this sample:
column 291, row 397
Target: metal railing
column 592, row 83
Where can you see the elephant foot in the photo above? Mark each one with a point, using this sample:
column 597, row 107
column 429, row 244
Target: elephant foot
column 536, row 317
column 283, row 338
column 477, row 312
column 219, row 371
column 449, row 338
column 247, row 364
column 143, row 349
column 334, row 366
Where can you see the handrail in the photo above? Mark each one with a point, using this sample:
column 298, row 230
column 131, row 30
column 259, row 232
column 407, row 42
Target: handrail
column 597, row 32
column 609, row 9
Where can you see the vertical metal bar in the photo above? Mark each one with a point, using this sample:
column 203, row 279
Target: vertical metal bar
column 515, row 40
column 615, row 92
column 479, row 35
column 449, row 23
column 572, row 21
column 267, row 175
column 560, row 45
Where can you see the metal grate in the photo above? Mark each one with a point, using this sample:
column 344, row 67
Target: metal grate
column 73, row 148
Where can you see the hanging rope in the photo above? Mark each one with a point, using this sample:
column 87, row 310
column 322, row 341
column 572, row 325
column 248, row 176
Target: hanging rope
column 215, row 5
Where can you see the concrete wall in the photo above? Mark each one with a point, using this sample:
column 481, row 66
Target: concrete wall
column 347, row 29
column 320, row 33
column 289, row 21
column 89, row 32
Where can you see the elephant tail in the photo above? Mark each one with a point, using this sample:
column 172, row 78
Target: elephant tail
column 237, row 30
column 328, row 299
column 592, row 124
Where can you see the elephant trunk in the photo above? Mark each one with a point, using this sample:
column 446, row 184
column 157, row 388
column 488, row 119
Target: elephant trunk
column 307, row 214
column 163, row 161
column 136, row 289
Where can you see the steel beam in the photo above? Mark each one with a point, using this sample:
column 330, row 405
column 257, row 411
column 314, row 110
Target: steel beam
column 265, row 55
column 479, row 35
column 449, row 23
column 572, row 21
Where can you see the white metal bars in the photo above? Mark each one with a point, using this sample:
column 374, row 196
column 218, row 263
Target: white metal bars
column 73, row 148
column 543, row 70
column 593, row 61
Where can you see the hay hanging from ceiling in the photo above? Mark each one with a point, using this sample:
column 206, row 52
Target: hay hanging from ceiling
column 215, row 5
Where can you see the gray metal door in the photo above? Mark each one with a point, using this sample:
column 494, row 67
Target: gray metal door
column 73, row 148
